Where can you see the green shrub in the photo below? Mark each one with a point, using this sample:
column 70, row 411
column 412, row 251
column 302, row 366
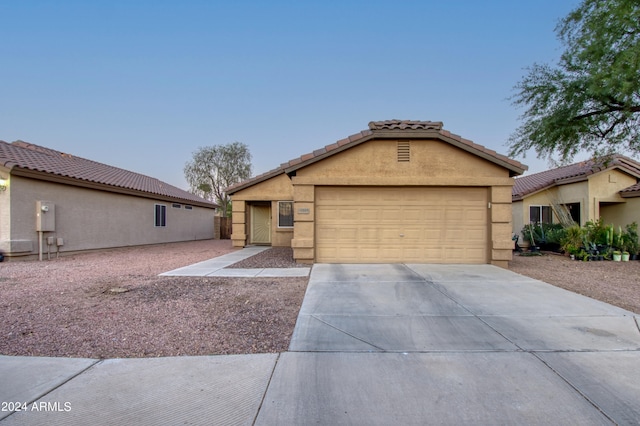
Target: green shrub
column 596, row 232
column 572, row 240
column 545, row 233
column 630, row 238
column 554, row 233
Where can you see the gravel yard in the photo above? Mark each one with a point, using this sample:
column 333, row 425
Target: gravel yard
column 112, row 303
column 617, row 283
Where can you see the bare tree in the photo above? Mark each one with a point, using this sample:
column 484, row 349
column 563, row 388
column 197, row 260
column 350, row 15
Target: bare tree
column 217, row 167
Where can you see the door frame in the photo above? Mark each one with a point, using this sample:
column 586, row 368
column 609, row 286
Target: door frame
column 253, row 222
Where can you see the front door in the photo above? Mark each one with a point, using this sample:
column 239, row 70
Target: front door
column 260, row 224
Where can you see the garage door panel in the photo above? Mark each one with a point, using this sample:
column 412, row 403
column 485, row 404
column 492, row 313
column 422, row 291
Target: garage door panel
column 476, row 235
column 390, row 253
column 410, row 224
column 411, row 214
column 370, row 214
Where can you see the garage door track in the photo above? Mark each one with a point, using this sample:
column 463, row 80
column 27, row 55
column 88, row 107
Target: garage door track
column 453, row 344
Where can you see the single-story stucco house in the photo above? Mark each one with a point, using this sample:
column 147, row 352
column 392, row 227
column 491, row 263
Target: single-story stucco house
column 401, row 191
column 51, row 201
column 589, row 190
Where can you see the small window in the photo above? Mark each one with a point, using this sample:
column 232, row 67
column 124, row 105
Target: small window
column 540, row 214
column 188, row 207
column 176, row 206
column 285, row 214
column 160, row 215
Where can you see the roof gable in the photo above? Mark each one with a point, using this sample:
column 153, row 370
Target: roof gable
column 23, row 157
column 577, row 172
column 389, row 129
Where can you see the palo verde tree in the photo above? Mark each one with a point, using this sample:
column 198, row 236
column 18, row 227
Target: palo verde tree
column 215, row 168
column 590, row 101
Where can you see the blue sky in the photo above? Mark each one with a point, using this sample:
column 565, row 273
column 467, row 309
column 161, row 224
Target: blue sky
column 142, row 84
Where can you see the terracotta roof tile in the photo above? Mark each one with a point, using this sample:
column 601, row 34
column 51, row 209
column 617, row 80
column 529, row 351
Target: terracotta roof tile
column 632, row 191
column 28, row 156
column 526, row 185
column 356, row 137
column 331, row 147
column 306, row 157
column 405, row 125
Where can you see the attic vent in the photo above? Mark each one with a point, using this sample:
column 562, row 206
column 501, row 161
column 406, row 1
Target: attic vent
column 404, row 151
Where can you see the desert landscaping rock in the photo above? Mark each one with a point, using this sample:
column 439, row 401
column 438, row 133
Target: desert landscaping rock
column 617, row 283
column 275, row 257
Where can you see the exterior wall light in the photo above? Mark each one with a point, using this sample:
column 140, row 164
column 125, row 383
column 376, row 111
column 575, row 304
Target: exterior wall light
column 3, row 184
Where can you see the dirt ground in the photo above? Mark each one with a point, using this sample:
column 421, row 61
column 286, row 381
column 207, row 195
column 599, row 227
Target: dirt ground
column 113, row 304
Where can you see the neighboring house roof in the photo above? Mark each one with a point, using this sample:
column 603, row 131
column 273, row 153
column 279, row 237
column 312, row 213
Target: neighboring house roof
column 527, row 185
column 389, row 129
column 631, row 192
column 24, row 158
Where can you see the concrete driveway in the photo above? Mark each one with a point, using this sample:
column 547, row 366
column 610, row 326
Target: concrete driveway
column 458, row 344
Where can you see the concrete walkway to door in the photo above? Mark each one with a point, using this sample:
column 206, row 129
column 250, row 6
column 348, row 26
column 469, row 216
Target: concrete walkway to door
column 453, row 344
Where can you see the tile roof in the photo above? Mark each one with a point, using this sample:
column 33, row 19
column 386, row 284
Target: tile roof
column 405, row 125
column 23, row 155
column 526, row 185
column 387, row 129
column 632, row 191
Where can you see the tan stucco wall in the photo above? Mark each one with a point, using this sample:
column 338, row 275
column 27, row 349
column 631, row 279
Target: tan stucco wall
column 433, row 163
column 622, row 214
column 278, row 188
column 518, row 218
column 604, row 188
column 90, row 219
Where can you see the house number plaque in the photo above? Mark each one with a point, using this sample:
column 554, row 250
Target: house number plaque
column 303, row 211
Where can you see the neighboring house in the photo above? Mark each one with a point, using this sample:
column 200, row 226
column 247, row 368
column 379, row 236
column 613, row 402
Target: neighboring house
column 401, row 191
column 588, row 190
column 72, row 204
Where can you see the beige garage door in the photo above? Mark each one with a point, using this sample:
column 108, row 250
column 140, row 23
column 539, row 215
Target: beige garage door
column 388, row 224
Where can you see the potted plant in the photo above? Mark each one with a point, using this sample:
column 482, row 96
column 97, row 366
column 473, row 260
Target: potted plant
column 625, row 256
column 617, row 255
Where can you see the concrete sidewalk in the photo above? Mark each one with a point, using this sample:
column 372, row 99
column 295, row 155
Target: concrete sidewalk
column 218, row 267
column 374, row 344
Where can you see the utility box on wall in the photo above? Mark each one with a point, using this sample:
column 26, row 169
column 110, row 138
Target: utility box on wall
column 45, row 216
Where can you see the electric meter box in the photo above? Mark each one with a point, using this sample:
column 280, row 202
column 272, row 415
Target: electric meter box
column 45, row 216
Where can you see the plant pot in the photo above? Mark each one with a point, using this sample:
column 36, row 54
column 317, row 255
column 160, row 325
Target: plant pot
column 625, row 257
column 617, row 257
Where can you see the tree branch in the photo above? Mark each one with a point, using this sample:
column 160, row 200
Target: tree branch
column 610, row 109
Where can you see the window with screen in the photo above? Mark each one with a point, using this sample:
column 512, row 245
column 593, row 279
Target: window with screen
column 285, row 214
